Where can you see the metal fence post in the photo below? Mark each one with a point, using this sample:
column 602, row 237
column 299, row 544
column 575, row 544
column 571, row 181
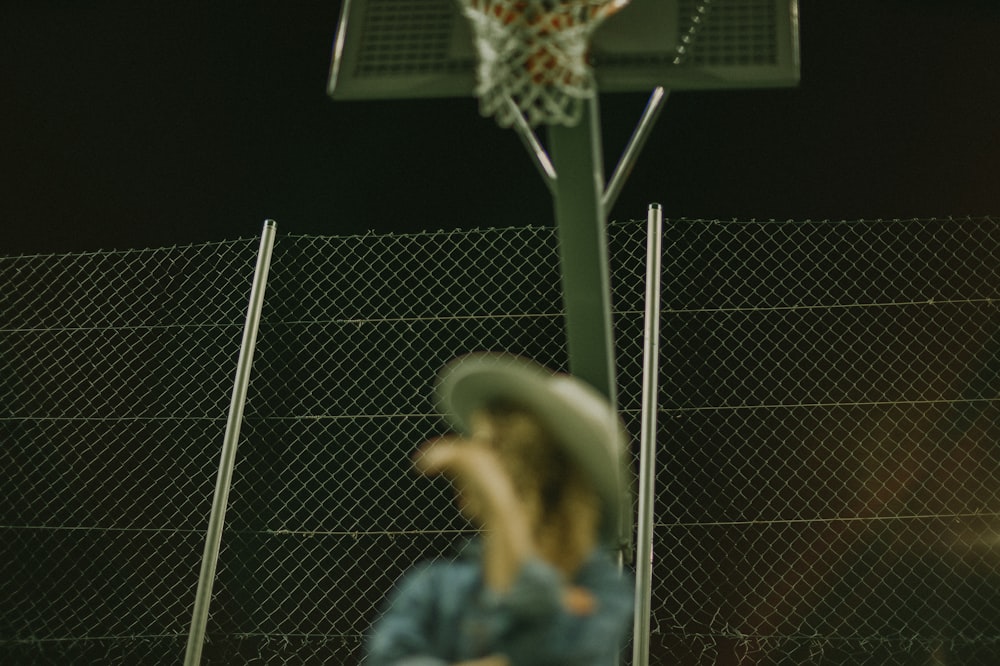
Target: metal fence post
column 213, row 537
column 647, row 438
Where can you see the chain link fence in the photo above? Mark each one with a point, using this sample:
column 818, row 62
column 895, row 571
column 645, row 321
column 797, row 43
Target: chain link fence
column 116, row 374
column 827, row 484
column 830, row 472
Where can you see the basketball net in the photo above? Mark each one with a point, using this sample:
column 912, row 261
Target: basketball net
column 533, row 57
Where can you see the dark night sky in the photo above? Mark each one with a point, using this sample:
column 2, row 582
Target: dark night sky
column 141, row 124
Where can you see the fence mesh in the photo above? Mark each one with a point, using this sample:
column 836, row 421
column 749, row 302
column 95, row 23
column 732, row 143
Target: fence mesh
column 827, row 484
column 830, row 472
column 117, row 370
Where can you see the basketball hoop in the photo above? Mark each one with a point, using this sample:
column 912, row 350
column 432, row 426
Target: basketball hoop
column 533, row 57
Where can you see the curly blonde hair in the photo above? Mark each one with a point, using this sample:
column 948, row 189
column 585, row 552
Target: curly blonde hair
column 561, row 501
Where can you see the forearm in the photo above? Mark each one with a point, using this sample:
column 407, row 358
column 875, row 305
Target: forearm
column 507, row 538
column 488, row 497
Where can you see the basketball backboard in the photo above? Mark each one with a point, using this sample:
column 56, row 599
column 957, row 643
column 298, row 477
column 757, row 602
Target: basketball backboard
column 388, row 49
column 405, row 49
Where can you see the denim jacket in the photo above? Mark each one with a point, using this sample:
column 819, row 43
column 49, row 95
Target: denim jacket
column 442, row 613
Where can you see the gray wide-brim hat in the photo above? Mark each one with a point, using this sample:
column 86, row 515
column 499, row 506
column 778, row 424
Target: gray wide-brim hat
column 580, row 419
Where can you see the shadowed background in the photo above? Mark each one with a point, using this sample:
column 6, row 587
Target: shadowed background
column 142, row 125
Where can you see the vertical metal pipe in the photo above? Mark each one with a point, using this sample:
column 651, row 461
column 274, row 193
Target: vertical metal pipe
column 213, row 536
column 583, row 250
column 647, row 438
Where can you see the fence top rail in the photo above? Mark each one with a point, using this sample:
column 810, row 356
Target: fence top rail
column 986, row 218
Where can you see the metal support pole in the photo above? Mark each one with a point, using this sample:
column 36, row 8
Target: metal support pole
column 583, row 250
column 647, row 438
column 635, row 145
column 213, row 537
column 534, row 147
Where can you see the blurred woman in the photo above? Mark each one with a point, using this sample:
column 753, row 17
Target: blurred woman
column 538, row 466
